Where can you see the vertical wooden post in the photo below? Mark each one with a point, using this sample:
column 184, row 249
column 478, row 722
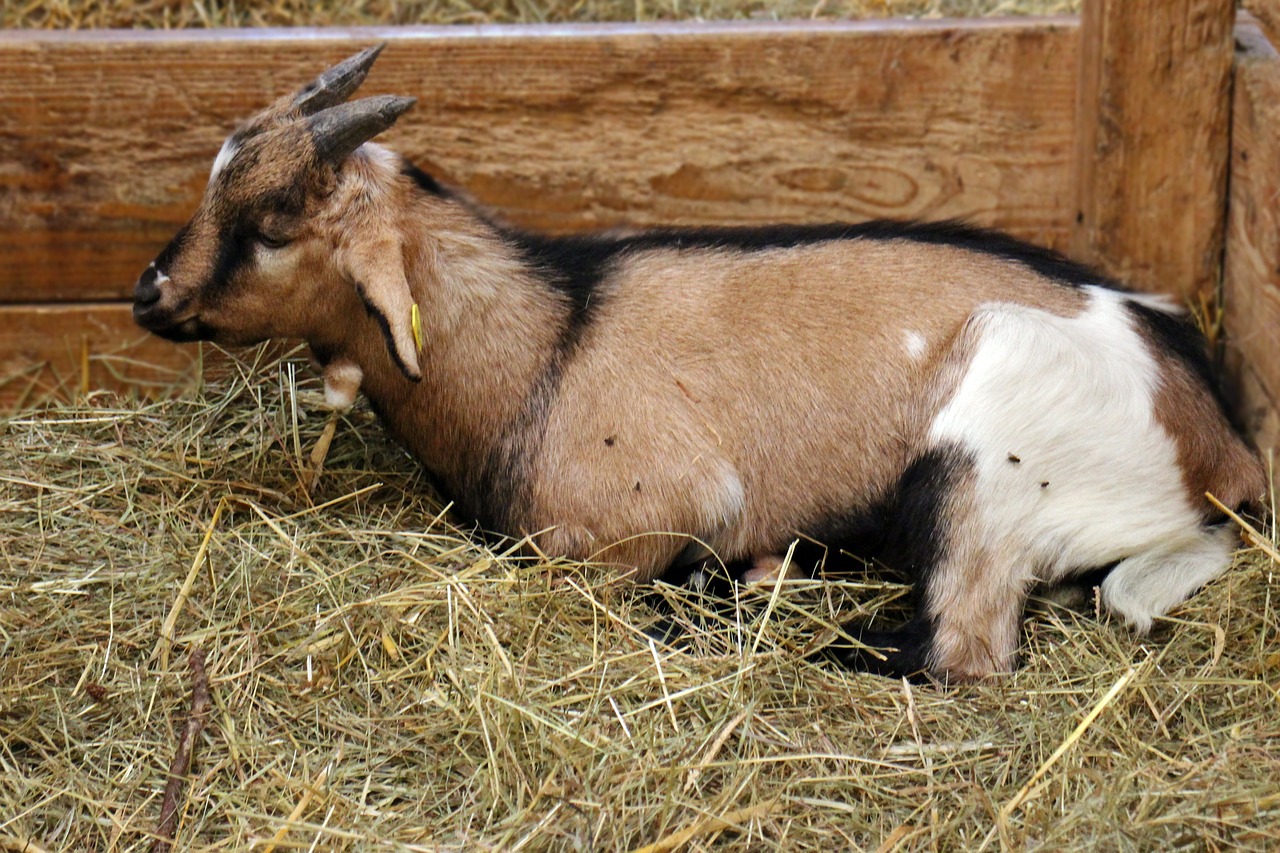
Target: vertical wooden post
column 1152, row 136
column 1252, row 278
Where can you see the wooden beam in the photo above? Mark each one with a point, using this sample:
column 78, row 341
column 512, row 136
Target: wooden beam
column 65, row 351
column 108, row 136
column 1152, row 141
column 1252, row 274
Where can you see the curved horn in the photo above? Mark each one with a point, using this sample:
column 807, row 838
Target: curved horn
column 340, row 130
column 337, row 83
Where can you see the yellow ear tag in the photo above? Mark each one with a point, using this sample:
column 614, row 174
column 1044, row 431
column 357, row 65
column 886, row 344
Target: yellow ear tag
column 415, row 319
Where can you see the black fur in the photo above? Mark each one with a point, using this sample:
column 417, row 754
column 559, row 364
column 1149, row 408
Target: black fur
column 905, row 531
column 237, row 235
column 235, row 250
column 495, row 489
column 179, row 241
column 424, row 182
column 576, row 265
column 899, row 653
column 912, row 540
column 1179, row 336
column 950, row 233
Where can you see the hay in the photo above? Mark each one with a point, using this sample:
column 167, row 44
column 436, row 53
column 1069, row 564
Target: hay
column 381, row 679
column 285, row 13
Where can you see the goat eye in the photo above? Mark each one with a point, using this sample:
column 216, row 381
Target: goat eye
column 271, row 242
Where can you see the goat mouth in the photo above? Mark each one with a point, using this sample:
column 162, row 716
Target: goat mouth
column 185, row 331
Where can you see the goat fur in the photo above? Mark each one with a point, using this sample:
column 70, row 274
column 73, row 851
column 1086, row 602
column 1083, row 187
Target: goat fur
column 985, row 412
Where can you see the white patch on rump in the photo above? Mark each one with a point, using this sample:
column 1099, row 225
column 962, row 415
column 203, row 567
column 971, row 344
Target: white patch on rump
column 915, row 344
column 1073, row 469
column 229, row 150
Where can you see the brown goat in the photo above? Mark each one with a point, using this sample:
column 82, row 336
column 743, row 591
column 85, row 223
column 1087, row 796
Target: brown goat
column 981, row 412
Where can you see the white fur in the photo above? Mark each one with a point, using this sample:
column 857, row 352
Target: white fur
column 916, row 345
column 341, row 384
column 1152, row 583
column 1156, row 301
column 1093, row 476
column 730, row 503
column 228, row 152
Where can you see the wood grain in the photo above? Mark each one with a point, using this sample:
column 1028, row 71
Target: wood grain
column 1252, row 273
column 1152, row 144
column 106, row 137
column 62, row 351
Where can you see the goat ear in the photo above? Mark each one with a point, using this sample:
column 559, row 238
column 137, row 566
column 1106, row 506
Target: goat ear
column 377, row 269
column 339, row 130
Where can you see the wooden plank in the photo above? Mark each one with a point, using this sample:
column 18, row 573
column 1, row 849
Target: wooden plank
column 1252, row 272
column 106, row 138
column 61, row 351
column 1152, row 144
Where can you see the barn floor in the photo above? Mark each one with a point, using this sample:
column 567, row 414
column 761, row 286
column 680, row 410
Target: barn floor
column 379, row 680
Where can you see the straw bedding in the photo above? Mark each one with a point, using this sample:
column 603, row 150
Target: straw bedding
column 378, row 678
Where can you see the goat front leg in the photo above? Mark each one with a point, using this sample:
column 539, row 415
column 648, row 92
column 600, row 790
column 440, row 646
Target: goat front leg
column 970, row 583
column 966, row 626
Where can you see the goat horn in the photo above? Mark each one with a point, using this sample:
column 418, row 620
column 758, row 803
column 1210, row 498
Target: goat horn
column 340, row 130
column 337, row 83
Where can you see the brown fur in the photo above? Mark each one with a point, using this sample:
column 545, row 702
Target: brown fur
column 1228, row 469
column 728, row 397
column 674, row 374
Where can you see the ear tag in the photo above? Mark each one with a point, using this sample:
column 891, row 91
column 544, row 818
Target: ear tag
column 415, row 320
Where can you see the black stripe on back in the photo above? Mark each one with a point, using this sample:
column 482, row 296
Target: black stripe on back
column 422, row 180
column 575, row 265
column 1177, row 335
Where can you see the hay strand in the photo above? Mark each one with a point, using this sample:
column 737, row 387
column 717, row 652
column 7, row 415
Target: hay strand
column 729, row 820
column 165, row 642
column 1070, row 741
column 9, row 844
column 1251, row 534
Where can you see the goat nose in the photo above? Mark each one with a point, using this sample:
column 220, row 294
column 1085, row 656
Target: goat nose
column 147, row 292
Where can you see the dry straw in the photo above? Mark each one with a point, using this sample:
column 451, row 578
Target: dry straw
column 380, row 679
column 279, row 13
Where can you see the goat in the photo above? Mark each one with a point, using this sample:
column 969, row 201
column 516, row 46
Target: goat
column 985, row 411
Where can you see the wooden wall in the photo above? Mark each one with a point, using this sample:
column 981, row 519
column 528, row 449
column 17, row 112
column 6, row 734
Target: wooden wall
column 1251, row 281
column 1153, row 123
column 107, row 139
